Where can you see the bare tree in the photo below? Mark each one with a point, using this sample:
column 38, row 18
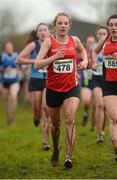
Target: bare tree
column 104, row 8
column 112, row 7
column 7, row 22
column 10, row 19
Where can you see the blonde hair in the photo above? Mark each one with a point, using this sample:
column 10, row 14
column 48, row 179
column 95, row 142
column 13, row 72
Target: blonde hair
column 62, row 14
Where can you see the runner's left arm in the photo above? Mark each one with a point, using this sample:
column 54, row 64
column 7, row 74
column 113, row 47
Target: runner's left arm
column 80, row 48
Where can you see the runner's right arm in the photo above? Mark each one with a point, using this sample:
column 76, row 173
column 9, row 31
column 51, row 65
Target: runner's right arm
column 23, row 57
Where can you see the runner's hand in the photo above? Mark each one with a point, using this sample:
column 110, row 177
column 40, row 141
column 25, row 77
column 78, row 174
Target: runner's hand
column 94, row 66
column 60, row 54
column 82, row 65
column 114, row 55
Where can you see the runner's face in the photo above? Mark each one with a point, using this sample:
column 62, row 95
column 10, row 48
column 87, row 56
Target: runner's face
column 89, row 42
column 101, row 33
column 43, row 32
column 113, row 26
column 62, row 25
column 9, row 48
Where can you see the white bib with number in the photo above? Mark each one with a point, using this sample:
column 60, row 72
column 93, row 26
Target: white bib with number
column 100, row 69
column 63, row 66
column 110, row 63
column 10, row 73
column 87, row 74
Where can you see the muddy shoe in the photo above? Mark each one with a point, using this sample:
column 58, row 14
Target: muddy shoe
column 84, row 119
column 45, row 146
column 36, row 122
column 116, row 157
column 68, row 162
column 100, row 139
column 55, row 157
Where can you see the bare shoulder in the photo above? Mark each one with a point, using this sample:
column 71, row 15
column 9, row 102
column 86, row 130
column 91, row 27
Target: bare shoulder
column 31, row 46
column 76, row 38
column 100, row 44
column 28, row 49
column 77, row 41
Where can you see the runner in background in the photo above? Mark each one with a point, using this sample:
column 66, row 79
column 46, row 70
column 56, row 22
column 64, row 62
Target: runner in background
column 24, row 81
column 37, row 86
column 108, row 46
column 10, row 80
column 1, row 86
column 86, row 76
column 97, row 83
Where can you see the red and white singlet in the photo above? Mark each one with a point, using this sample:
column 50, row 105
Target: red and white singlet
column 110, row 64
column 62, row 73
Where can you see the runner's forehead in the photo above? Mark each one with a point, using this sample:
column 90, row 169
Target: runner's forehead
column 8, row 44
column 62, row 18
column 113, row 20
column 42, row 27
column 102, row 30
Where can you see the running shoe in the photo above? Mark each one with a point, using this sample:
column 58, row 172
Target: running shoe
column 115, row 157
column 36, row 122
column 11, row 123
column 100, row 138
column 68, row 162
column 92, row 129
column 46, row 146
column 55, row 157
column 84, row 119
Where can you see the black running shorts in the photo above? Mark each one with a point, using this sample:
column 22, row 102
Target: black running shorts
column 97, row 81
column 109, row 88
column 36, row 84
column 55, row 99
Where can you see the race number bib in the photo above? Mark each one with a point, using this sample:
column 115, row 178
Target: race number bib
column 63, row 66
column 87, row 74
column 10, row 73
column 110, row 63
column 99, row 69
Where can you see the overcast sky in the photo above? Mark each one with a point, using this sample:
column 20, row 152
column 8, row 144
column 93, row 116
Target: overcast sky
column 33, row 12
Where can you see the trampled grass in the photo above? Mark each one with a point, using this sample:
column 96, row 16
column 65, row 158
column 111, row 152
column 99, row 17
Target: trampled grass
column 21, row 155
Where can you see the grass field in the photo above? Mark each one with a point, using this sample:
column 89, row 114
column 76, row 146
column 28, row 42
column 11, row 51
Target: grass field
column 21, row 155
